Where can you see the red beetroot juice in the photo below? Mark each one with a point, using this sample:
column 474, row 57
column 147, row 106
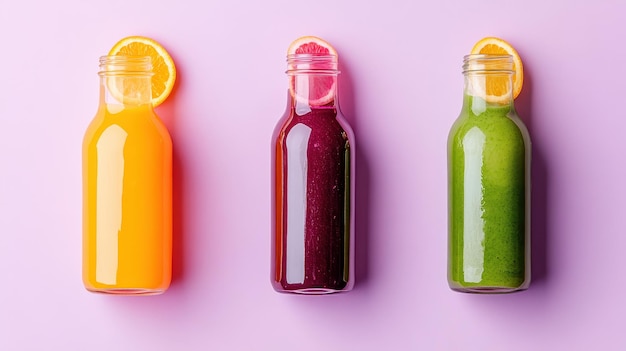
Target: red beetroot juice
column 313, row 185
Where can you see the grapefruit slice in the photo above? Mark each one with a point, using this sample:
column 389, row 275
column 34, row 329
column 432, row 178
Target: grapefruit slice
column 311, row 45
column 310, row 88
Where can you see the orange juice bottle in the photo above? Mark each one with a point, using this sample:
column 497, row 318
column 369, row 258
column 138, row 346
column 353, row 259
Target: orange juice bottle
column 127, row 185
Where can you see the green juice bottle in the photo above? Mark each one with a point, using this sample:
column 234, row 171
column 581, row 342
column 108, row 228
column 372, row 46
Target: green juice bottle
column 488, row 184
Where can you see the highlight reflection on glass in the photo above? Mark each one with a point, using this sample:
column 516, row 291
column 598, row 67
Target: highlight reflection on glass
column 110, row 165
column 297, row 142
column 473, row 225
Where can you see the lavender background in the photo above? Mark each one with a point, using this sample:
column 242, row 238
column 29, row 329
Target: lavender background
column 401, row 89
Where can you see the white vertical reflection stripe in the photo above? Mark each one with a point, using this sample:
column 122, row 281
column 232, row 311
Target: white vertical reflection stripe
column 473, row 224
column 110, row 182
column 297, row 146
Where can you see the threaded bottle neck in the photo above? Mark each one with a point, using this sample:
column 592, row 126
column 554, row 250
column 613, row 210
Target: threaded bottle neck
column 487, row 64
column 319, row 64
column 312, row 80
column 488, row 80
column 126, row 80
column 125, row 65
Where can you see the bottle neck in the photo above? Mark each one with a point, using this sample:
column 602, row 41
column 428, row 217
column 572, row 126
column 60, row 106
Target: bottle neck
column 312, row 82
column 125, row 81
column 488, row 83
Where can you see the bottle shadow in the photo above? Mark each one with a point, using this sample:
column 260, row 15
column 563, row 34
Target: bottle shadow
column 346, row 91
column 539, row 185
column 178, row 242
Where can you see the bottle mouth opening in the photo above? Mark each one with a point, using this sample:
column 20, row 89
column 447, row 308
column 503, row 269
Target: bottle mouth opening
column 488, row 64
column 312, row 57
column 119, row 65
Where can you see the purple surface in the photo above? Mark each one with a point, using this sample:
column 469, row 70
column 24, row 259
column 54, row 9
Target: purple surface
column 401, row 89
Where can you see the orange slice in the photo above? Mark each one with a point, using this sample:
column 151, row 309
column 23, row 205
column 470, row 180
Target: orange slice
column 162, row 63
column 497, row 46
column 315, row 90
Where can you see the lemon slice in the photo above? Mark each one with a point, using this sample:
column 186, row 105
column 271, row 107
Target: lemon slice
column 162, row 64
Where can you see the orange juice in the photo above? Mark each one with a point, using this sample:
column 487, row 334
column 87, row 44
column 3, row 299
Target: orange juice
column 127, row 196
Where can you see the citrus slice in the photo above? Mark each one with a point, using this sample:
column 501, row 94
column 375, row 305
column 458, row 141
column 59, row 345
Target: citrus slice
column 162, row 63
column 312, row 89
column 311, row 45
column 497, row 46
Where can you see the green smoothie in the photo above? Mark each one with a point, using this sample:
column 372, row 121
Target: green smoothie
column 488, row 179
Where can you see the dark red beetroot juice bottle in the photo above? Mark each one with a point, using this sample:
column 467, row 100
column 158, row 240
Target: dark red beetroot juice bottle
column 313, row 179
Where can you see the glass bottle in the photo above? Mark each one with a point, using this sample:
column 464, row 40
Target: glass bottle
column 489, row 153
column 127, row 185
column 312, row 183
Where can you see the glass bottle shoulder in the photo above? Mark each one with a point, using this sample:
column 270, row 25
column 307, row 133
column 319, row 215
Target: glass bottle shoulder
column 327, row 121
column 494, row 123
column 140, row 121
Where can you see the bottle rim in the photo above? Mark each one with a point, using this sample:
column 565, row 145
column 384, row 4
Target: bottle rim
column 312, row 63
column 313, row 56
column 120, row 65
column 488, row 64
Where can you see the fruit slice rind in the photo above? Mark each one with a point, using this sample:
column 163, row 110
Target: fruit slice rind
column 487, row 77
column 125, row 79
column 310, row 44
column 312, row 71
column 162, row 63
column 477, row 86
column 497, row 46
column 312, row 89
